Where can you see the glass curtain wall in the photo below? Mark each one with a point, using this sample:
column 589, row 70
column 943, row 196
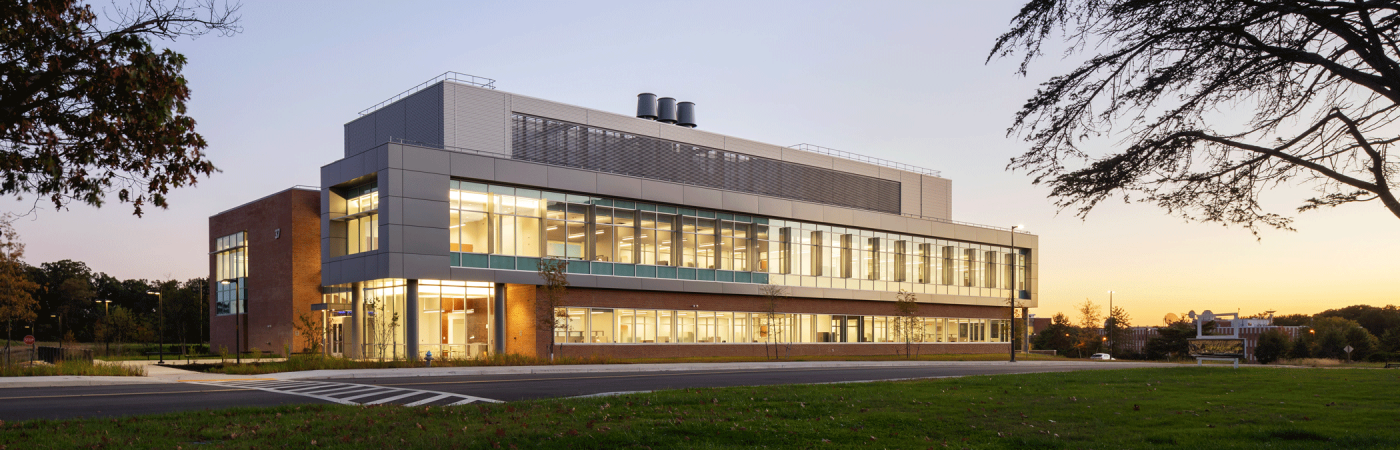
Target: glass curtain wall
column 455, row 318
column 362, row 218
column 645, row 326
column 493, row 225
column 384, row 319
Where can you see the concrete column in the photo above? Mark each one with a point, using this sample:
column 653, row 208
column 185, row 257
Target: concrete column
column 411, row 313
column 357, row 322
column 498, row 320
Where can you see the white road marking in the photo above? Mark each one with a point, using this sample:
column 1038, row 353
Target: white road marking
column 322, row 390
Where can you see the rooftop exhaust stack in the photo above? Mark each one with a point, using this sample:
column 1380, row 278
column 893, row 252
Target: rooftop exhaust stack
column 687, row 115
column 667, row 110
column 646, row 106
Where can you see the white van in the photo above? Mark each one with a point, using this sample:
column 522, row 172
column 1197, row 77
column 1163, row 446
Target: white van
column 1101, row 357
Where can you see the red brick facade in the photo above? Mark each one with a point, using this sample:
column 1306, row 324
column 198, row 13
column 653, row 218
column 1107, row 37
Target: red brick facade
column 584, row 297
column 284, row 269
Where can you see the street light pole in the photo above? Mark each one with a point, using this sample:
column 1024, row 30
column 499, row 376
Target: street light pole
column 1011, row 298
column 106, row 313
column 1115, row 322
column 160, row 303
column 60, row 334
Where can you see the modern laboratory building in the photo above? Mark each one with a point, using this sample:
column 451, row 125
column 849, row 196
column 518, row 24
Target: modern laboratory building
column 433, row 224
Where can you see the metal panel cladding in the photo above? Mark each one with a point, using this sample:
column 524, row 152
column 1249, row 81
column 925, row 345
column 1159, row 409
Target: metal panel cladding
column 581, row 146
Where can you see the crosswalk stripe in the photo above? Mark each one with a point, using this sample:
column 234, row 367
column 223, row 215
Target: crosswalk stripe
column 396, row 397
column 371, row 394
column 429, row 400
column 349, row 393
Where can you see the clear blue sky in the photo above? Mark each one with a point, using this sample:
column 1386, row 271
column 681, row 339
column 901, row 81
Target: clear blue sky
column 904, row 81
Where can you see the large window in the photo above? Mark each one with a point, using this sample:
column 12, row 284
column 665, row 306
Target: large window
column 361, row 220
column 504, row 227
column 231, row 271
column 646, row 326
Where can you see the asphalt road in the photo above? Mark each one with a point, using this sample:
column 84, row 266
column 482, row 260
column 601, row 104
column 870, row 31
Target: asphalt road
column 124, row 400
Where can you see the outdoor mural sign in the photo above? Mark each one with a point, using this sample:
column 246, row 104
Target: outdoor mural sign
column 1217, row 347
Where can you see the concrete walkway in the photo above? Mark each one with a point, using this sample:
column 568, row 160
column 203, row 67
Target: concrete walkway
column 171, row 374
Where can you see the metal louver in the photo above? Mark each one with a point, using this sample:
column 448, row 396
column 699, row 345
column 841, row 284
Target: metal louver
column 573, row 145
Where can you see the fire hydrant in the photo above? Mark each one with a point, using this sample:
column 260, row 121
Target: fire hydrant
column 429, row 358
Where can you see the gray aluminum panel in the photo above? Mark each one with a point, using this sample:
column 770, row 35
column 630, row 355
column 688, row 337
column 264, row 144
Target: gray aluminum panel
column 572, row 179
column 518, row 277
column 473, row 166
column 625, row 187
column 423, row 116
column 427, row 186
column 660, row 191
column 433, row 267
column 427, row 213
column 469, row 274
column 429, row 160
column 479, row 120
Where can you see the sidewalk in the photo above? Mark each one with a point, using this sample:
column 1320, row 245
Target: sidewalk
column 172, row 374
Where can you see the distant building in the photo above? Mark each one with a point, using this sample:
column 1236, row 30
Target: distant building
column 1250, row 329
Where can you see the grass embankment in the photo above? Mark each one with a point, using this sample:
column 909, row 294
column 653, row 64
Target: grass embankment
column 1134, row 408
column 301, row 362
column 71, row 368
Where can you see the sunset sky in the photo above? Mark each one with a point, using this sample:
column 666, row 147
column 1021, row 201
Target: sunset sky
column 903, row 81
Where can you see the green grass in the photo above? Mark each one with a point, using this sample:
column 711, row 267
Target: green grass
column 71, row 368
column 1133, row 408
column 300, row 362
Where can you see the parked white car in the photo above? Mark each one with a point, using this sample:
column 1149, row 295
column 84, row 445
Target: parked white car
column 1101, row 357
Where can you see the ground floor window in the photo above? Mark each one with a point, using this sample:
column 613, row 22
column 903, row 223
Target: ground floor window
column 647, row 326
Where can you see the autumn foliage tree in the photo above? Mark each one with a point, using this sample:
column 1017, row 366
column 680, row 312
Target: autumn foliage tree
column 1211, row 103
column 17, row 302
column 88, row 106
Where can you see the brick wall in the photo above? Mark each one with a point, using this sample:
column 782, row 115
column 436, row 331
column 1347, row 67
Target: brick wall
column 284, row 269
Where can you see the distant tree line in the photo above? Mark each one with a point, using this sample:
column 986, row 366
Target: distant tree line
column 1372, row 332
column 99, row 308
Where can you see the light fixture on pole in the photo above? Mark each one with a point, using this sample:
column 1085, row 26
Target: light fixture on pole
column 1110, row 317
column 60, row 335
column 1011, row 297
column 160, row 304
column 106, row 311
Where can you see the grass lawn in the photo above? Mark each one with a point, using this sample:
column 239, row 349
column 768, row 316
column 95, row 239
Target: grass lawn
column 1131, row 408
column 71, row 368
column 300, row 363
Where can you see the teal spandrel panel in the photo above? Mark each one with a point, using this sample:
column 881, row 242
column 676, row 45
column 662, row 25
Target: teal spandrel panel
column 477, row 260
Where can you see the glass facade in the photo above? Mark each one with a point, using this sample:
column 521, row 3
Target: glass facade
column 453, row 317
column 231, row 272
column 503, row 227
column 649, row 326
column 361, row 220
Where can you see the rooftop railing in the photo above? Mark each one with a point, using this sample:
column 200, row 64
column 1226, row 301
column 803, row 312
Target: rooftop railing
column 481, row 82
column 866, row 159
